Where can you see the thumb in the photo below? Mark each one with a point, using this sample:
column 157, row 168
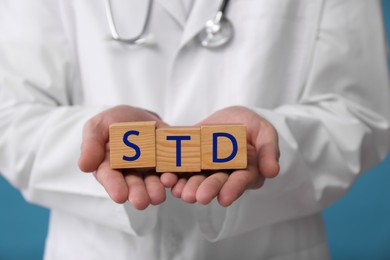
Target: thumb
column 95, row 137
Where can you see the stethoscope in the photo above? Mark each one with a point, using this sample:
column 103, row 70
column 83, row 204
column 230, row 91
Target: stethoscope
column 216, row 32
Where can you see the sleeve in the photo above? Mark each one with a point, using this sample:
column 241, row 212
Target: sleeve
column 337, row 130
column 40, row 124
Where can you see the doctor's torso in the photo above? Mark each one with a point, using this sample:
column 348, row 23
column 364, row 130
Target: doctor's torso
column 263, row 66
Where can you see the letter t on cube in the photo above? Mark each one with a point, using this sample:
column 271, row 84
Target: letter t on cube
column 133, row 145
column 178, row 149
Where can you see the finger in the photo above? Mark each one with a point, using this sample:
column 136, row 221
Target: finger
column 268, row 153
column 168, row 179
column 113, row 182
column 241, row 180
column 138, row 195
column 188, row 193
column 268, row 160
column 235, row 186
column 95, row 137
column 211, row 187
column 155, row 189
column 178, row 188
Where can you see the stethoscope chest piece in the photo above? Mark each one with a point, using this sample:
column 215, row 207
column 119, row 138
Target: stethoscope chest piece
column 216, row 33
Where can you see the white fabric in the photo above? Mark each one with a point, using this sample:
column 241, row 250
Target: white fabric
column 315, row 69
column 187, row 5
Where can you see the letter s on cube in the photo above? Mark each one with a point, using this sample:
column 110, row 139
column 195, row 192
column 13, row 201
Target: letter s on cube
column 223, row 147
column 133, row 145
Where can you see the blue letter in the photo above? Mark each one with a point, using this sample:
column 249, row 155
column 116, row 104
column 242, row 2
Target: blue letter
column 178, row 146
column 130, row 144
column 215, row 147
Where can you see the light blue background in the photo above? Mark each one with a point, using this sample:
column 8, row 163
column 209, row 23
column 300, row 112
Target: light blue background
column 358, row 226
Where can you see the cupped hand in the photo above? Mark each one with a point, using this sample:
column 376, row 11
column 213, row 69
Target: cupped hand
column 141, row 189
column 263, row 156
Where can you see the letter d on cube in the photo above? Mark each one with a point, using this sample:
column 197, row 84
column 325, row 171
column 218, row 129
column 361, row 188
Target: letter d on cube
column 223, row 147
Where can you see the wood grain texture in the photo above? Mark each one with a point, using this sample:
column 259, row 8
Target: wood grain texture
column 167, row 150
column 223, row 147
column 145, row 140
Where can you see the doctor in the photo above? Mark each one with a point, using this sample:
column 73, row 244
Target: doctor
column 307, row 77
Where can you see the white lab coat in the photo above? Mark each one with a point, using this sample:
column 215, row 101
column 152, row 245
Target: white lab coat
column 315, row 69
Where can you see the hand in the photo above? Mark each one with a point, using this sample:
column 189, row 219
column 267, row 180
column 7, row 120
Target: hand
column 263, row 156
column 141, row 189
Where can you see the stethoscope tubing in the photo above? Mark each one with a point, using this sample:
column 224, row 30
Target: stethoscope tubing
column 113, row 29
column 223, row 34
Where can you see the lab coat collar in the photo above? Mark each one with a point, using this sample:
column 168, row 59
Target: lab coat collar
column 202, row 11
column 175, row 9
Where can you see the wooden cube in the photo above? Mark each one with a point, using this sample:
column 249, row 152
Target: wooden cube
column 133, row 145
column 223, row 147
column 178, row 149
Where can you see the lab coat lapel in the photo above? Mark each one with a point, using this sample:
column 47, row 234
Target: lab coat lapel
column 175, row 9
column 202, row 11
